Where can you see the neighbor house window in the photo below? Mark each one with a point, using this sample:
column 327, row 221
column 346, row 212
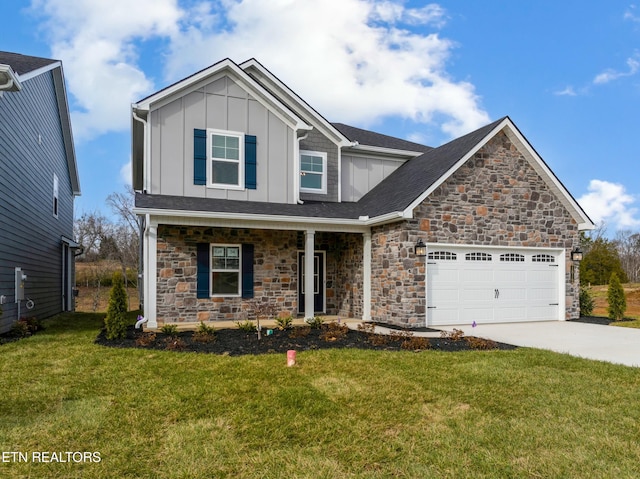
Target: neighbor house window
column 225, row 270
column 313, row 171
column 226, row 159
column 55, row 195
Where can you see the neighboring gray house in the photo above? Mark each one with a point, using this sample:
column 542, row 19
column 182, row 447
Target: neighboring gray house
column 244, row 188
column 38, row 184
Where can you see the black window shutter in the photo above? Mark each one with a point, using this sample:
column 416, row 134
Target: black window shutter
column 247, row 271
column 250, row 162
column 203, row 271
column 199, row 157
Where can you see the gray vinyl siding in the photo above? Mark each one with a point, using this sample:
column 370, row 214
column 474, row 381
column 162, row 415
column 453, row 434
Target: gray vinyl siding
column 221, row 104
column 31, row 151
column 316, row 141
column 361, row 174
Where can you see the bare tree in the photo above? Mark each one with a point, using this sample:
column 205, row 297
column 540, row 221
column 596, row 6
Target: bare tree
column 628, row 245
column 89, row 230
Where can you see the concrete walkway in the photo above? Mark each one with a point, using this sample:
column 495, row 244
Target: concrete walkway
column 591, row 341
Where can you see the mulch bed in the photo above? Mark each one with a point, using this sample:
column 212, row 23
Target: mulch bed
column 598, row 320
column 235, row 342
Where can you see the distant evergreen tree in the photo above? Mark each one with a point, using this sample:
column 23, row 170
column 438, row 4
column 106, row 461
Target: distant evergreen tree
column 600, row 260
column 615, row 296
column 116, row 319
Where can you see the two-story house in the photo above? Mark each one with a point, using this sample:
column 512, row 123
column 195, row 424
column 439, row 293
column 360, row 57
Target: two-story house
column 38, row 184
column 248, row 192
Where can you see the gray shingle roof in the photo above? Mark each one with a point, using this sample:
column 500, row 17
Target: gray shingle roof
column 22, row 64
column 370, row 138
column 395, row 193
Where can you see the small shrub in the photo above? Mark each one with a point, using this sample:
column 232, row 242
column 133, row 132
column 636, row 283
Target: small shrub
column 170, row 329
column 455, row 335
column 116, row 320
column 586, row 301
column 334, row 332
column 367, row 328
column 246, row 326
column 615, row 296
column 316, row 322
column 146, row 339
column 415, row 343
column 300, row 332
column 20, row 329
column 204, row 333
column 480, row 343
column 284, row 323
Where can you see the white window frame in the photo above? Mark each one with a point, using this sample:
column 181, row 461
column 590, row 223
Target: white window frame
column 219, row 270
column 56, row 196
column 211, row 159
column 323, row 155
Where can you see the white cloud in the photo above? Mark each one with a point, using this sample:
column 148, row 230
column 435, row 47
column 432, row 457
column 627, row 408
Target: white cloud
column 125, row 174
column 354, row 60
column 568, row 91
column 95, row 41
column 610, row 203
column 631, row 15
column 610, row 75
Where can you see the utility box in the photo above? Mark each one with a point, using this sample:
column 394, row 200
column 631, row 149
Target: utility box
column 20, row 280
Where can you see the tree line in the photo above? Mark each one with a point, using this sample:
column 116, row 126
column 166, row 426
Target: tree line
column 603, row 256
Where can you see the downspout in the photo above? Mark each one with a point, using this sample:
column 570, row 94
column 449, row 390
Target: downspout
column 296, row 168
column 145, row 169
column 8, row 85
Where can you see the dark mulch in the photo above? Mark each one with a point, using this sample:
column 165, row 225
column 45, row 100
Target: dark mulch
column 234, row 342
column 598, row 320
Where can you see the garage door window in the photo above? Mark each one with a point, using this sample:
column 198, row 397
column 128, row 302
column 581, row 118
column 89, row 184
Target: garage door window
column 443, row 255
column 512, row 257
column 477, row 257
column 543, row 258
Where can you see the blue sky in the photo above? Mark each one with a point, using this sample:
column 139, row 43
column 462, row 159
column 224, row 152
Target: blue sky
column 566, row 72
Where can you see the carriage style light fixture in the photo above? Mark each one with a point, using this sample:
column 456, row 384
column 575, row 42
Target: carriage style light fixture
column 576, row 254
column 421, row 249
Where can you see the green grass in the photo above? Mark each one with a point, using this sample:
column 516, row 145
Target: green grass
column 338, row 413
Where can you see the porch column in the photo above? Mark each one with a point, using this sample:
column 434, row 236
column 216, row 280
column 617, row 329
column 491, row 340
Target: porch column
column 366, row 276
column 309, row 263
column 151, row 271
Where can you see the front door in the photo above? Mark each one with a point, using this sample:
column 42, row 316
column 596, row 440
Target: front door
column 318, row 282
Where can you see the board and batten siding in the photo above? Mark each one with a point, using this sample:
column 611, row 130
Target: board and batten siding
column 361, row 174
column 31, row 152
column 221, row 104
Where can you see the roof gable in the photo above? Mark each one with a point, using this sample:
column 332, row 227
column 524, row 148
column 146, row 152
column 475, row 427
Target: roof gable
column 414, row 181
column 228, row 67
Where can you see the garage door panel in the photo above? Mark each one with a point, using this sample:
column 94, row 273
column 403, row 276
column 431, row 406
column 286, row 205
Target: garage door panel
column 516, row 285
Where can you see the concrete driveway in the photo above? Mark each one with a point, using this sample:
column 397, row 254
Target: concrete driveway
column 591, row 341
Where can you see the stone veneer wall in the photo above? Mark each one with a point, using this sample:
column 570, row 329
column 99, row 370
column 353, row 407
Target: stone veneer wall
column 495, row 198
column 275, row 273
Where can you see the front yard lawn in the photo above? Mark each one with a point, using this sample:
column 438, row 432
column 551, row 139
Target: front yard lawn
column 338, row 413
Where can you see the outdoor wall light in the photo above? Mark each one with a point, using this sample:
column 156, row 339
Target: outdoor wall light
column 421, row 249
column 576, row 254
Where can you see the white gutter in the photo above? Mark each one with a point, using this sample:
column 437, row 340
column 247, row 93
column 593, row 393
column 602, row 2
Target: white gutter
column 146, row 180
column 12, row 83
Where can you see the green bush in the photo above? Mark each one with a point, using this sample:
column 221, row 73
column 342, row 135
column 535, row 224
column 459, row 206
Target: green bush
column 170, row 329
column 615, row 296
column 285, row 322
column 316, row 322
column 116, row 319
column 586, row 301
column 246, row 326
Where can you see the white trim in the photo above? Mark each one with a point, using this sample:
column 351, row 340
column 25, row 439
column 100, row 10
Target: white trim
column 290, row 96
column 12, row 82
column 323, row 180
column 366, row 150
column 322, row 281
column 309, row 265
column 240, row 161
column 150, row 273
column 56, row 196
column 213, row 270
column 366, row 276
column 228, row 67
column 40, row 71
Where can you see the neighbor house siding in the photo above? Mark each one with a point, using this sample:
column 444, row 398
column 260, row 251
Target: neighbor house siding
column 31, row 152
column 221, row 104
column 496, row 198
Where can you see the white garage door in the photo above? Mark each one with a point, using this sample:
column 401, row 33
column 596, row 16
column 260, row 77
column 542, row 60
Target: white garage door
column 488, row 285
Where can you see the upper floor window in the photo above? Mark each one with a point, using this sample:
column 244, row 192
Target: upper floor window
column 55, row 195
column 226, row 159
column 313, row 171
